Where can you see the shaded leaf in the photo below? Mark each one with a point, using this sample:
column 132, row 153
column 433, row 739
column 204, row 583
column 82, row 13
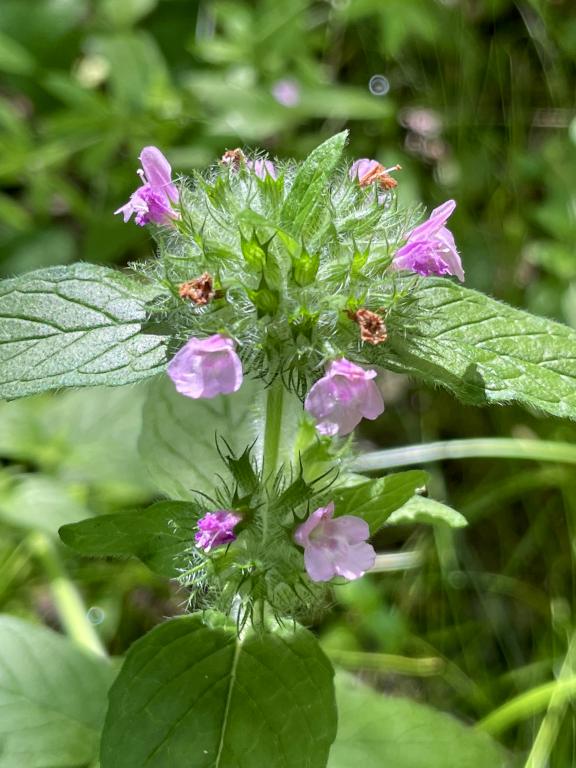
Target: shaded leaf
column 158, row 535
column 52, row 697
column 178, row 438
column 375, row 730
column 41, row 503
column 212, row 700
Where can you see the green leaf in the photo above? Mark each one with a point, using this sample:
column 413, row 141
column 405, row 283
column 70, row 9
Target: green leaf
column 178, row 438
column 52, row 697
column 309, row 189
column 193, row 694
column 86, row 436
column 375, row 500
column 376, row 731
column 41, row 503
column 485, row 351
column 74, row 326
column 420, row 509
column 15, row 58
column 158, row 535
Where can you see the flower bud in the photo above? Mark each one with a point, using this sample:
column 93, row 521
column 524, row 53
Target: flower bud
column 216, row 529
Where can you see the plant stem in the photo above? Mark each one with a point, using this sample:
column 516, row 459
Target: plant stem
column 527, row 704
column 387, row 662
column 476, row 448
column 272, row 435
column 272, row 430
column 71, row 609
column 550, row 725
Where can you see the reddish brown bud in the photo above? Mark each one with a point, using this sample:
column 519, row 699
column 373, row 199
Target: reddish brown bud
column 200, row 291
column 380, row 175
column 234, row 158
column 372, row 328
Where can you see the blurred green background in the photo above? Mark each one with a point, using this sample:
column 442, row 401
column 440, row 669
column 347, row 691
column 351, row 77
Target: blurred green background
column 476, row 100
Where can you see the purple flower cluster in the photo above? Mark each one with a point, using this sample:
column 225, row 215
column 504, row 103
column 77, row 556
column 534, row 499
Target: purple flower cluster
column 342, row 397
column 153, row 201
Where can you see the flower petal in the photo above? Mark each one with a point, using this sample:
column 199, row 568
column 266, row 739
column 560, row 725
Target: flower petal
column 358, row 559
column 352, row 528
column 158, row 171
column 434, row 223
column 318, row 562
column 302, row 533
column 372, row 405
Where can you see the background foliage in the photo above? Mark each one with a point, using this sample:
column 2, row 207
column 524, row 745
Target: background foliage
column 478, row 104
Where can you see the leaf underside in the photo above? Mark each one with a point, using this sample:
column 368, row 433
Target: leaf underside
column 484, row 351
column 74, row 326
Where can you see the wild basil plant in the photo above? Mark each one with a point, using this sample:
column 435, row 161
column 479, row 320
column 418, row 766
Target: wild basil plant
column 279, row 293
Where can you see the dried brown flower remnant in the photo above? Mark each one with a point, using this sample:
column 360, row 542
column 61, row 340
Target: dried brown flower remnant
column 372, row 328
column 234, row 158
column 200, row 291
column 377, row 173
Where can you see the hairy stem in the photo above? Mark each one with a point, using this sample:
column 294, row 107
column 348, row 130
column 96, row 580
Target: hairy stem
column 272, row 436
column 71, row 609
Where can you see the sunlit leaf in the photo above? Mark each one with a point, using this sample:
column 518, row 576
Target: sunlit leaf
column 375, row 500
column 420, row 509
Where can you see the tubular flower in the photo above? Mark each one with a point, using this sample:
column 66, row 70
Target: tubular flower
column 262, row 168
column 152, row 202
column 204, row 368
column 430, row 248
column 335, row 546
column 216, row 529
column 343, row 397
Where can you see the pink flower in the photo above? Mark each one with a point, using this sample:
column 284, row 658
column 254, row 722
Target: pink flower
column 335, row 547
column 286, row 92
column 430, row 248
column 206, row 367
column 262, row 168
column 343, row 397
column 216, row 528
column 152, row 202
